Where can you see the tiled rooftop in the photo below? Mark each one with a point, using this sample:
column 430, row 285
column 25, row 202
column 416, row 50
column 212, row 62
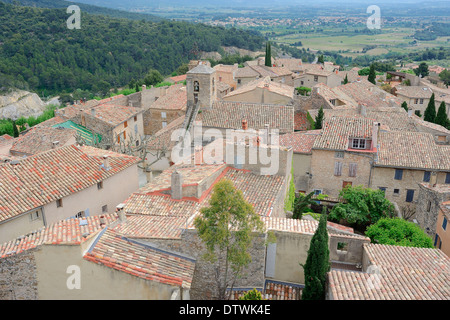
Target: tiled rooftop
column 337, row 131
column 264, row 83
column 229, row 115
column 51, row 175
column 174, row 99
column 301, row 142
column 162, row 138
column 71, row 231
column 39, row 139
column 113, row 115
column 115, row 251
column 405, row 273
column 412, row 150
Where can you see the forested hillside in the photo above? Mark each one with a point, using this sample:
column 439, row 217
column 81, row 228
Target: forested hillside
column 58, row 4
column 38, row 51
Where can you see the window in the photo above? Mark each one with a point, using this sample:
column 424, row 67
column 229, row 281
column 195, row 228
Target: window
column 426, row 176
column 80, row 214
column 342, row 246
column 135, row 118
column 346, row 183
column 337, row 168
column 137, row 143
column 105, row 209
column 34, row 216
column 100, row 185
column 447, row 178
column 301, row 82
column 359, row 143
column 239, row 81
column 436, row 239
column 196, row 86
column 416, row 101
column 163, row 115
column 352, row 169
column 317, row 191
column 444, row 224
column 339, row 154
column 125, row 124
column 59, row 203
column 428, row 206
column 409, row 195
column 421, row 101
column 316, row 78
column 164, row 124
column 333, row 102
column 382, row 189
column 398, row 174
column 396, row 192
column 195, row 98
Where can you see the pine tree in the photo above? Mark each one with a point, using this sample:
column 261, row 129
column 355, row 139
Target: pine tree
column 268, row 62
column 319, row 119
column 372, row 75
column 317, row 263
column 345, row 79
column 441, row 117
column 320, row 59
column 136, row 87
column 430, row 111
column 405, row 106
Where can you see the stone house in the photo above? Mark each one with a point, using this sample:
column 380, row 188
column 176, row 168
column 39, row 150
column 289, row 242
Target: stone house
column 263, row 91
column 59, row 184
column 225, row 74
column 418, row 97
column 442, row 237
column 314, row 76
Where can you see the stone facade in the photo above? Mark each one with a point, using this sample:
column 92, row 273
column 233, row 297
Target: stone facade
column 18, row 277
column 154, row 119
column 427, row 208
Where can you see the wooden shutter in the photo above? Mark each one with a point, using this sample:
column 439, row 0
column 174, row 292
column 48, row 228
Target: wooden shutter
column 352, row 169
column 337, row 168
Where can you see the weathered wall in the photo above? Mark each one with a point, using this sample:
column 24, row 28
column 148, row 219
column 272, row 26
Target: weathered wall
column 322, row 170
column 21, row 225
column 203, row 284
column 18, row 280
column 353, row 252
column 153, row 119
column 427, row 208
column 301, row 164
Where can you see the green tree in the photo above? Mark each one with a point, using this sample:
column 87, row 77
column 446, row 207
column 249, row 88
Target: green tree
column 445, row 76
column 430, row 112
column 268, row 57
column 405, row 106
column 346, row 79
column 398, row 232
column 290, row 199
column 15, row 129
column 362, row 206
column 422, row 70
column 317, row 262
column 153, row 77
column 319, row 119
column 303, row 202
column 320, row 59
column 441, row 117
column 227, row 228
column 372, row 74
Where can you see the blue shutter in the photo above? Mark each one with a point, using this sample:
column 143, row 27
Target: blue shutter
column 426, row 176
column 398, row 174
column 409, row 195
column 444, row 223
column 447, row 178
column 436, row 237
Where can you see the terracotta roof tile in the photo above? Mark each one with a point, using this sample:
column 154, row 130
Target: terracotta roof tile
column 301, row 142
column 174, row 99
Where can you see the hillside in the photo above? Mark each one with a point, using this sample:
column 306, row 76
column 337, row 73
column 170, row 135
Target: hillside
column 39, row 52
column 61, row 4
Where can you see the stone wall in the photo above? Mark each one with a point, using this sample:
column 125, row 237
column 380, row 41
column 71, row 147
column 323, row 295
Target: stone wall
column 204, row 284
column 18, row 280
column 427, row 208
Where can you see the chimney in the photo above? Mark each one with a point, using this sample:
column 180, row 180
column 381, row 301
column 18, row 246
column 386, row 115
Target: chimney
column 121, row 213
column 93, row 112
column 55, row 144
column 244, row 124
column 102, row 221
column 106, row 162
column 363, row 110
column 176, row 185
column 375, row 131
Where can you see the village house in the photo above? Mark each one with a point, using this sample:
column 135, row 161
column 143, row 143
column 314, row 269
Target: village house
column 418, row 97
column 225, row 74
column 313, row 76
column 442, row 237
column 250, row 73
column 60, row 183
column 263, row 91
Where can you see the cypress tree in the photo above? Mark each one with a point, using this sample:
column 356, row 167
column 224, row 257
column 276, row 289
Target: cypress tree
column 317, row 263
column 430, row 111
column 319, row 119
column 372, row 75
column 15, row 130
column 441, row 117
column 345, row 79
column 405, row 106
column 268, row 62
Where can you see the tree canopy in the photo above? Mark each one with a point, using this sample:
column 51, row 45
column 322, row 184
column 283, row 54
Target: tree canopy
column 399, row 232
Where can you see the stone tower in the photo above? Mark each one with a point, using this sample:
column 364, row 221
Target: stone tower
column 201, row 87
